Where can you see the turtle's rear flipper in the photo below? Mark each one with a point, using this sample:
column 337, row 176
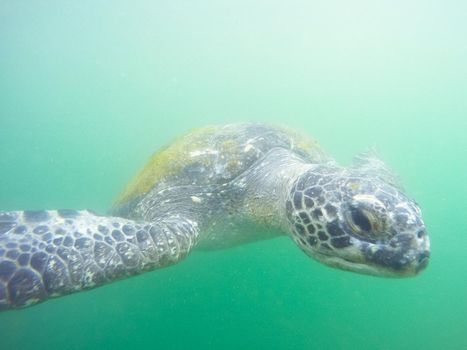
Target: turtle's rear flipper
column 45, row 254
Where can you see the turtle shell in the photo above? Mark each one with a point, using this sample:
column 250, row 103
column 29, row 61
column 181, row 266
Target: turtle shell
column 215, row 155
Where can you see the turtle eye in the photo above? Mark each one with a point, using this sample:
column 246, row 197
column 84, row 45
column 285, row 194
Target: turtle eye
column 366, row 217
column 359, row 220
column 362, row 222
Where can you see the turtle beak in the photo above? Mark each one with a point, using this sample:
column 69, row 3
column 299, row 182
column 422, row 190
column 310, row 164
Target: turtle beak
column 406, row 254
column 423, row 248
column 422, row 261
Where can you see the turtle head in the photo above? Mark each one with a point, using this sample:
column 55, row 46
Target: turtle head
column 357, row 220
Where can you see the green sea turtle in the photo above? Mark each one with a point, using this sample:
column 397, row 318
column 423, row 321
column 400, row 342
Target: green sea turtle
column 214, row 188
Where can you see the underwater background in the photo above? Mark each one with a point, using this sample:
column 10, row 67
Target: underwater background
column 90, row 89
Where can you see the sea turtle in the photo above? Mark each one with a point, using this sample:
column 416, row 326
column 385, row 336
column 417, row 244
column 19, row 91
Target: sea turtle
column 216, row 187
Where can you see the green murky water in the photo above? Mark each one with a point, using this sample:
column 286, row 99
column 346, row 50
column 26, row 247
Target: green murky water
column 89, row 89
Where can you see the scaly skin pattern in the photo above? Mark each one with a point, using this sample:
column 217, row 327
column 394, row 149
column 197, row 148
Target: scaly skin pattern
column 347, row 219
column 215, row 188
column 51, row 253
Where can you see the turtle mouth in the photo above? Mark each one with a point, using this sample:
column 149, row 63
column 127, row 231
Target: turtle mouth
column 417, row 263
column 366, row 268
column 405, row 255
column 423, row 260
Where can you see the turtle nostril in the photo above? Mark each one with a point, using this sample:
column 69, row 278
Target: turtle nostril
column 421, row 233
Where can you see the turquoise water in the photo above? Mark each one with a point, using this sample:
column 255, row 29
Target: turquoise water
column 89, row 89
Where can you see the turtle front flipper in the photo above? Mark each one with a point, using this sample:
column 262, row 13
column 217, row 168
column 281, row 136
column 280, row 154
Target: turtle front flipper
column 46, row 254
